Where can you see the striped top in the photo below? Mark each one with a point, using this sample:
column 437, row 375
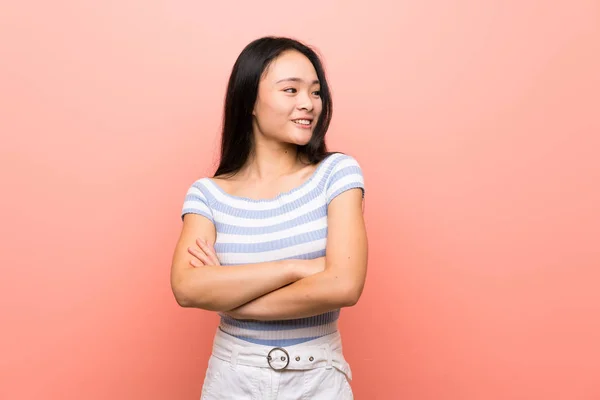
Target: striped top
column 292, row 225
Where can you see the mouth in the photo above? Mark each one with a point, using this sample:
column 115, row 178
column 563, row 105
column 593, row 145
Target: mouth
column 303, row 122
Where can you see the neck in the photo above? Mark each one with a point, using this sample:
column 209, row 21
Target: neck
column 270, row 160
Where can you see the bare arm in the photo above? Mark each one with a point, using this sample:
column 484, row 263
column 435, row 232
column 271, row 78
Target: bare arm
column 339, row 285
column 216, row 288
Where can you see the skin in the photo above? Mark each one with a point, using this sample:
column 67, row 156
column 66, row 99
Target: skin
column 289, row 90
column 284, row 289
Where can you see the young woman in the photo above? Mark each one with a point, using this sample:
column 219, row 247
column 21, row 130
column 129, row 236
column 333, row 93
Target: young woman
column 275, row 241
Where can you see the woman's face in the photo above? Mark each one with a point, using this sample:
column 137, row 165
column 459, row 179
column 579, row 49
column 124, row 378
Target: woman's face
column 288, row 104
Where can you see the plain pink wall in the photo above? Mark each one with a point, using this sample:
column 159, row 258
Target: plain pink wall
column 476, row 123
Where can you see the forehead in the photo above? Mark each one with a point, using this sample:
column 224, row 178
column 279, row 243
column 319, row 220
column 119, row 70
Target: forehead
column 290, row 64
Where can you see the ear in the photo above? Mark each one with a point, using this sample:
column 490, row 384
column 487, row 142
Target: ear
column 256, row 101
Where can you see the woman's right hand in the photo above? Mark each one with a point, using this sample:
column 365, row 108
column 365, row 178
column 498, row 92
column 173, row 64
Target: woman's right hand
column 204, row 254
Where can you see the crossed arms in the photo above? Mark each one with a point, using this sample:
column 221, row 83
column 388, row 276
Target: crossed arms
column 275, row 290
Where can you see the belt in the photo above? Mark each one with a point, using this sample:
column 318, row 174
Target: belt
column 318, row 353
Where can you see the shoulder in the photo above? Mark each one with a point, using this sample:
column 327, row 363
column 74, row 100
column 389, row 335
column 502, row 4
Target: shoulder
column 339, row 164
column 198, row 199
column 201, row 186
column 343, row 173
column 338, row 161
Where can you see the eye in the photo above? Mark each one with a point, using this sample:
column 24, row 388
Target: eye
column 317, row 93
column 290, row 90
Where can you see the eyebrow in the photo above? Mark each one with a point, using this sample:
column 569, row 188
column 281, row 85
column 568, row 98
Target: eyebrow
column 315, row 82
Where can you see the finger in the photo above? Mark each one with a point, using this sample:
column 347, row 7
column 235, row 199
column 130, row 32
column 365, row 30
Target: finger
column 213, row 254
column 196, row 263
column 200, row 255
column 209, row 251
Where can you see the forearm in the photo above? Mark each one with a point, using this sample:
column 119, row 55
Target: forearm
column 221, row 288
column 306, row 297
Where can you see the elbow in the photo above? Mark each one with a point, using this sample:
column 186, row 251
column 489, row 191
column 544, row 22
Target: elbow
column 184, row 302
column 351, row 294
column 186, row 299
column 180, row 288
column 182, row 296
column 191, row 297
column 350, row 299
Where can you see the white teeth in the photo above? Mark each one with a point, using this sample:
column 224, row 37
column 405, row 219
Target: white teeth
column 302, row 121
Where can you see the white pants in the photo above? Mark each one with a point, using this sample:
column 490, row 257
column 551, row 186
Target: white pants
column 315, row 370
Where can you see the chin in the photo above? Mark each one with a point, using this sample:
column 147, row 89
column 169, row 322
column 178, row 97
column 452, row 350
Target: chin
column 302, row 142
column 301, row 139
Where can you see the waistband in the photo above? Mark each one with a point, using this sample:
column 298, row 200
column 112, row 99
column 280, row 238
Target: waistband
column 325, row 351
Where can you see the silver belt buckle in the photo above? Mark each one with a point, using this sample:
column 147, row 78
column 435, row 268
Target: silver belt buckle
column 285, row 358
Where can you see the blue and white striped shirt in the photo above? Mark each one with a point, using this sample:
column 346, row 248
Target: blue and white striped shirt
column 292, row 225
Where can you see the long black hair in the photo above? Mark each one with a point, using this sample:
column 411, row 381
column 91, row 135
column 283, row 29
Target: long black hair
column 242, row 91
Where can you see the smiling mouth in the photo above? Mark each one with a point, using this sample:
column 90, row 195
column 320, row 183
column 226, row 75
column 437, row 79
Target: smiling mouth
column 303, row 122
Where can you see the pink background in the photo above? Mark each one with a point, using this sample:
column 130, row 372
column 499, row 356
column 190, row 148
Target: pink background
column 476, row 123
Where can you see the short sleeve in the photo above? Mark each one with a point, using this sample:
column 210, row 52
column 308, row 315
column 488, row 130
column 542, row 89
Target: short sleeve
column 196, row 202
column 346, row 174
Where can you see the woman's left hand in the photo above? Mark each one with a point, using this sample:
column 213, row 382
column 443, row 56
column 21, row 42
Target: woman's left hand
column 204, row 254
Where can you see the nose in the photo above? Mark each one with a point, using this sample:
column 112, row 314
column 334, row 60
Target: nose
column 305, row 102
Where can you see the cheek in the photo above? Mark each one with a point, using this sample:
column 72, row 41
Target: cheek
column 274, row 108
column 318, row 107
column 272, row 116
